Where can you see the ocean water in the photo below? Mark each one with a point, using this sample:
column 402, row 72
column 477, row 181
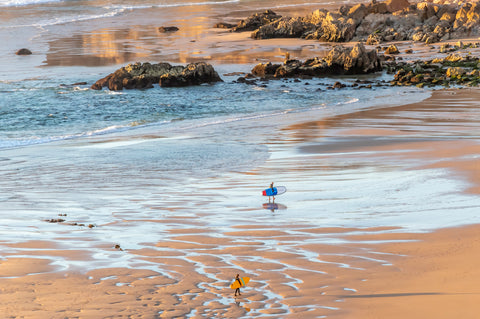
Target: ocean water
column 122, row 161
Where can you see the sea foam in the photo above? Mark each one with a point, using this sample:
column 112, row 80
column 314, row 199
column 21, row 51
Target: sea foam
column 16, row 3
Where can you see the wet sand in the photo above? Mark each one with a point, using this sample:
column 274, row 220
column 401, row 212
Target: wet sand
column 297, row 271
column 378, row 272
column 431, row 275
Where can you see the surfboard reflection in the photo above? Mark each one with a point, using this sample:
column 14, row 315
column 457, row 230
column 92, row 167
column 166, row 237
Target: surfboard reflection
column 274, row 206
column 242, row 305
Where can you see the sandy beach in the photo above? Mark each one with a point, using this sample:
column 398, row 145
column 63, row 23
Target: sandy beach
column 366, row 272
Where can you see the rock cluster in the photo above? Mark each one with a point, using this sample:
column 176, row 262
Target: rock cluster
column 375, row 22
column 340, row 60
column 451, row 70
column 144, row 75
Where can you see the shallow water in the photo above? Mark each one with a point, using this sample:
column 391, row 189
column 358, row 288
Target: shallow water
column 150, row 169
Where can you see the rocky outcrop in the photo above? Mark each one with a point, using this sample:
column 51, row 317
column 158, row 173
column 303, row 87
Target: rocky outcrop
column 339, row 61
column 375, row 22
column 334, row 27
column 145, row 75
column 256, row 20
column 192, row 74
column 283, row 28
column 452, row 70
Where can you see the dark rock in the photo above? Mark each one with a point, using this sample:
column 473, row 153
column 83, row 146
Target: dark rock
column 452, row 70
column 393, row 20
column 256, row 20
column 338, row 85
column 265, row 69
column 340, row 60
column 283, row 28
column 193, row 74
column 355, row 60
column 167, row 29
column 55, row 220
column 23, row 52
column 396, row 5
column 246, row 81
column 144, row 75
column 223, row 25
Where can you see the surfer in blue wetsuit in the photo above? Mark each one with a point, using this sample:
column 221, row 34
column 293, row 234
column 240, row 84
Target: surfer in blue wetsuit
column 237, row 278
column 271, row 187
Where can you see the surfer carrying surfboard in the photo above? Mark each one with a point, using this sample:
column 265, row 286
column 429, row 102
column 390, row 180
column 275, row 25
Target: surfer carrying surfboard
column 237, row 278
column 273, row 192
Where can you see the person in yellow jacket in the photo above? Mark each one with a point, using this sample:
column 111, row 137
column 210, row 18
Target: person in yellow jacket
column 237, row 278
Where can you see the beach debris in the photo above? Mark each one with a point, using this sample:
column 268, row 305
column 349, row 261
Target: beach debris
column 55, row 220
column 167, row 29
column 63, row 222
column 23, row 51
column 144, row 75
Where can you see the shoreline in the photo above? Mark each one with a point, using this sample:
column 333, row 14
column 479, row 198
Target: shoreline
column 293, row 274
column 297, row 269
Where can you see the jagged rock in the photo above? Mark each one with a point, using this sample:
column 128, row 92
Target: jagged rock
column 427, row 10
column 392, row 49
column 256, row 21
column 338, row 85
column 167, row 29
column 144, row 75
column 334, row 28
column 396, row 5
column 283, row 28
column 356, row 60
column 340, row 60
column 264, row 69
column 193, row 74
column 453, row 58
column 454, row 72
column 316, row 17
column 358, row 12
column 23, row 52
column 374, row 39
column 393, row 20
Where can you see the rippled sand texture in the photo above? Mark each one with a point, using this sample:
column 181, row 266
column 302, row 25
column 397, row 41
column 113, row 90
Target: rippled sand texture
column 297, row 269
column 292, row 275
